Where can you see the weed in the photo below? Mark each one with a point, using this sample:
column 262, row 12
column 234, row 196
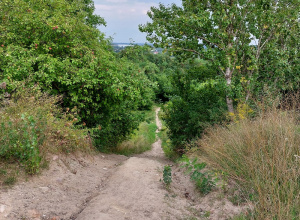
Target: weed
column 243, row 216
column 237, row 195
column 10, row 180
column 19, row 141
column 195, row 212
column 207, row 214
column 3, row 172
column 173, row 195
column 44, row 164
column 236, row 199
column 203, row 180
column 28, row 133
column 167, row 175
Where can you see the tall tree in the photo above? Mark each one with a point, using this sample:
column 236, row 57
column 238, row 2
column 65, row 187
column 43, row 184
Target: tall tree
column 232, row 34
column 91, row 18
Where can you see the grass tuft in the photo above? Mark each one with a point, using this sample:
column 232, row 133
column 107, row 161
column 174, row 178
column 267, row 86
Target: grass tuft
column 263, row 156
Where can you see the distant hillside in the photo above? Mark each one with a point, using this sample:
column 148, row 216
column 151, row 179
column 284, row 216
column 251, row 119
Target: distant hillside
column 129, row 44
column 120, row 46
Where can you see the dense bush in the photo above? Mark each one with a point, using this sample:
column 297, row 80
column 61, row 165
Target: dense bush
column 117, row 130
column 197, row 103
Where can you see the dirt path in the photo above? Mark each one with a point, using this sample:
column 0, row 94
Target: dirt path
column 111, row 187
column 135, row 190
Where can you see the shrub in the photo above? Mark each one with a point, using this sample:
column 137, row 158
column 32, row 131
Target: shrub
column 19, row 140
column 262, row 155
column 32, row 125
column 198, row 101
column 186, row 116
column 107, row 136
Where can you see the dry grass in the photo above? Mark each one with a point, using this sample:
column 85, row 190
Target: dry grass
column 32, row 126
column 59, row 133
column 263, row 156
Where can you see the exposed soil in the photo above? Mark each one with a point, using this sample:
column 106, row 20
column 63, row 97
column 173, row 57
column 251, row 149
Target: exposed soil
column 112, row 187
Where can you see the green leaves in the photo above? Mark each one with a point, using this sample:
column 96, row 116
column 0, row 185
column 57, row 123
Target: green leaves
column 167, row 175
column 203, row 179
column 56, row 44
column 19, row 141
column 198, row 101
column 223, row 33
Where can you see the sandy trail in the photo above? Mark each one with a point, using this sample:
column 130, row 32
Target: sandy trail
column 111, row 187
column 135, row 190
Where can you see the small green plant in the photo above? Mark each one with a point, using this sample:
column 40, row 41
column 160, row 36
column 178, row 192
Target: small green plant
column 167, row 175
column 203, row 180
column 20, row 142
column 207, row 214
column 3, row 172
column 10, row 180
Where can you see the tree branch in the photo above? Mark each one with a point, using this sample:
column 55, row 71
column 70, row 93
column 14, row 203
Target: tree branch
column 196, row 52
column 212, row 43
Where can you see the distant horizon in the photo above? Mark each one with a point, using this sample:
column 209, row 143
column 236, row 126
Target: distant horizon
column 132, row 43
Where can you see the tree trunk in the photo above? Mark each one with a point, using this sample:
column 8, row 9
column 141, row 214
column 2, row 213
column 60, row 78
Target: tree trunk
column 229, row 101
column 229, row 104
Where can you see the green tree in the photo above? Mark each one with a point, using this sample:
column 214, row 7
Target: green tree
column 55, row 43
column 91, row 19
column 157, row 67
column 232, row 34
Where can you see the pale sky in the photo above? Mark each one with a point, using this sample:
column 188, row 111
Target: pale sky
column 124, row 16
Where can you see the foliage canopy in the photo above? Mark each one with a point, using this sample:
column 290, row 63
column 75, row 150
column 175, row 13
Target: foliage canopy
column 240, row 37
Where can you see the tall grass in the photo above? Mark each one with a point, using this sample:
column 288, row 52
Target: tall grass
column 142, row 139
column 263, row 156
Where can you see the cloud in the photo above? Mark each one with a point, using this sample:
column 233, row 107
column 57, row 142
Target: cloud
column 104, row 8
column 124, row 16
column 127, row 11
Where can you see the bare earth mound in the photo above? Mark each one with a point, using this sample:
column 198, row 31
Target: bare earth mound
column 111, row 187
